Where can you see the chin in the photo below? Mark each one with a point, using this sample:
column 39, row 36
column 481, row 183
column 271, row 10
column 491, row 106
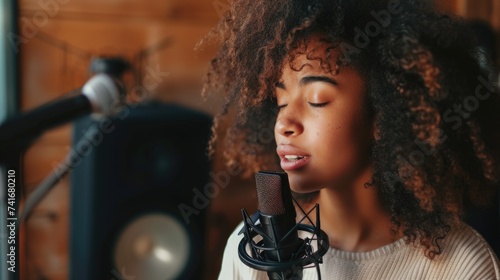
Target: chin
column 302, row 185
column 302, row 190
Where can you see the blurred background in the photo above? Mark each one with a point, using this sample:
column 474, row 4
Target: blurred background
column 59, row 40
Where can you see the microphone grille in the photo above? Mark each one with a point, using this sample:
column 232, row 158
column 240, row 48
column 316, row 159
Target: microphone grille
column 273, row 193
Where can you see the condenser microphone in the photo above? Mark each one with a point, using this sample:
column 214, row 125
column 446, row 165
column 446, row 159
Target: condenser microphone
column 277, row 217
column 274, row 243
column 99, row 95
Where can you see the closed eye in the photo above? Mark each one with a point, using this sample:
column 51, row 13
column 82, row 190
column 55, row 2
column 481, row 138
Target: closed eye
column 318, row 105
column 281, row 106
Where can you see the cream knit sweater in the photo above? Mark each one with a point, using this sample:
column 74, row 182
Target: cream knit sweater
column 465, row 256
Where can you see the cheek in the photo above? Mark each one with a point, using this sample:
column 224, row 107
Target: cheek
column 345, row 138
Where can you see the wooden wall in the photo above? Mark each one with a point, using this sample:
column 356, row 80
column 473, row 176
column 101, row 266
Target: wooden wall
column 60, row 37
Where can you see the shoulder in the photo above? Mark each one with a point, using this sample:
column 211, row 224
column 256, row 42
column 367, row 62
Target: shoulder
column 468, row 255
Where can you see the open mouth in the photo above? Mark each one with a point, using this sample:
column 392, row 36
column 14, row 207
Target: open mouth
column 293, row 162
column 293, row 157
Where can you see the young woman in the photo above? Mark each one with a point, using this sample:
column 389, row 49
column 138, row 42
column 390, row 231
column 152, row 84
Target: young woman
column 381, row 115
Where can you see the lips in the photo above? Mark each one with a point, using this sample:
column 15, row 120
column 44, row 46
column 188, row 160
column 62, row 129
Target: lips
column 291, row 157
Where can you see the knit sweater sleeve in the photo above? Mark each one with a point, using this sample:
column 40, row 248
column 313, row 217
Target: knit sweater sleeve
column 472, row 257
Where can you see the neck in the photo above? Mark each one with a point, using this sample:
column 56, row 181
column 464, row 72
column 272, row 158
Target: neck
column 353, row 217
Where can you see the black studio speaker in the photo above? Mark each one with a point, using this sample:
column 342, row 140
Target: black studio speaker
column 131, row 173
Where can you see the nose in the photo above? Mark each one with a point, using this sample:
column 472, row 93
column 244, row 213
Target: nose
column 288, row 125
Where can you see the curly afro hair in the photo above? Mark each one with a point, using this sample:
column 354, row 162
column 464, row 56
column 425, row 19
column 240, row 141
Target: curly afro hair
column 432, row 103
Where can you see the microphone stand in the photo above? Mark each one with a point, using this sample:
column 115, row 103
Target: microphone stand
column 16, row 135
column 290, row 269
column 14, row 140
column 19, row 132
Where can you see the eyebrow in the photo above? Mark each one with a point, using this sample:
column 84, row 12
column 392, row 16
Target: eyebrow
column 310, row 79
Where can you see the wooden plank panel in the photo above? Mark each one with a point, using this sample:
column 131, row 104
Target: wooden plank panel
column 59, row 62
column 448, row 6
column 192, row 10
column 480, row 9
column 495, row 16
column 55, row 57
